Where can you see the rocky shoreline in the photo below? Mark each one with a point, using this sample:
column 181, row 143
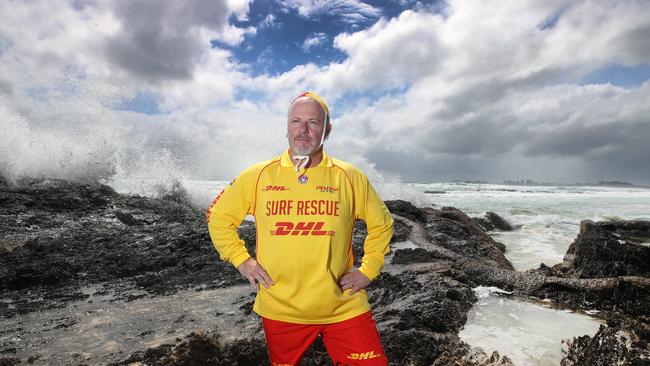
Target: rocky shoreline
column 85, row 251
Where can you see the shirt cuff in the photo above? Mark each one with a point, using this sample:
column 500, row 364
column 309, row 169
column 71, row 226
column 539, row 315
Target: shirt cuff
column 238, row 260
column 370, row 274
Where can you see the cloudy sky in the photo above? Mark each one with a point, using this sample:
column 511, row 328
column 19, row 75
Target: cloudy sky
column 426, row 91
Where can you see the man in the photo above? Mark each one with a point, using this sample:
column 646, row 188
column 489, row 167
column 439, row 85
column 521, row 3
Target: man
column 305, row 204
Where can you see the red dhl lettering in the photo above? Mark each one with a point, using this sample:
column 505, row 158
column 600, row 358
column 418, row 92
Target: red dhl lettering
column 301, row 228
column 214, row 202
column 275, row 188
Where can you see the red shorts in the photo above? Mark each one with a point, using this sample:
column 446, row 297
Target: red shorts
column 350, row 342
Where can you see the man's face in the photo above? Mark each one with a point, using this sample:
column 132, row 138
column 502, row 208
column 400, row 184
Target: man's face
column 305, row 126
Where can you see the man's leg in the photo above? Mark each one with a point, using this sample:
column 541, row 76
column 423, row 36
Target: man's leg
column 287, row 342
column 355, row 342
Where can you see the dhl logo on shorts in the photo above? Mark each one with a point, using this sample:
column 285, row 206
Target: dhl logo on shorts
column 301, row 228
column 274, row 188
column 363, row 356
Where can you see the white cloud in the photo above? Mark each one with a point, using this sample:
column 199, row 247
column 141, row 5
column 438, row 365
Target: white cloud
column 461, row 80
column 314, row 40
column 240, row 8
column 475, row 92
column 350, row 11
column 270, row 22
column 234, row 36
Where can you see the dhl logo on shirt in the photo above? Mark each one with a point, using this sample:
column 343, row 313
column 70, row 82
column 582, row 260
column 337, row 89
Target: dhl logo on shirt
column 274, row 188
column 301, row 228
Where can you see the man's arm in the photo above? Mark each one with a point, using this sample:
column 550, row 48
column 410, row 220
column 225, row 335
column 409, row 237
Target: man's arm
column 224, row 216
column 379, row 222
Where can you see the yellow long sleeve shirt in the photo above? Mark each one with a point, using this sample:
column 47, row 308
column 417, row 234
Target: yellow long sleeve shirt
column 304, row 235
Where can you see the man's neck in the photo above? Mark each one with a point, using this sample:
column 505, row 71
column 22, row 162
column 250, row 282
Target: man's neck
column 314, row 159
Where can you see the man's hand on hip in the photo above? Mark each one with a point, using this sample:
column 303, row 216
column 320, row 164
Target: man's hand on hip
column 255, row 274
column 354, row 280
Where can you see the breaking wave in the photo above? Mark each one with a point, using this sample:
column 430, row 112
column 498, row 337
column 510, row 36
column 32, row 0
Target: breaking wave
column 86, row 141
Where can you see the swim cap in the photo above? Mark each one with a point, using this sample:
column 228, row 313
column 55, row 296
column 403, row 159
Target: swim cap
column 317, row 98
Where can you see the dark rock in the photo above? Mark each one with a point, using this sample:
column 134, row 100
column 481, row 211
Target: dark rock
column 401, row 231
column 450, row 228
column 492, row 221
column 484, row 223
column 478, row 357
column 63, row 234
column 248, row 234
column 417, row 255
column 413, row 347
column 601, row 250
column 623, row 341
column 414, row 309
column 497, row 221
column 502, row 247
column 632, row 231
column 543, row 270
column 358, row 238
column 9, row 361
column 428, row 301
column 126, row 218
column 204, row 349
column 406, row 209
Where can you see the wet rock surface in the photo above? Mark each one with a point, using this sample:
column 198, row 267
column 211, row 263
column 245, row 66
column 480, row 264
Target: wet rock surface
column 101, row 256
column 623, row 341
column 608, row 249
column 58, row 237
column 491, row 221
column 452, row 229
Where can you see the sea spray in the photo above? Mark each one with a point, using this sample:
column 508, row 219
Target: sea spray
column 56, row 145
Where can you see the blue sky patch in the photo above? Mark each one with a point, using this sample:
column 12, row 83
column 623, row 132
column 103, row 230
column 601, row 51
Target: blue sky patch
column 279, row 44
column 619, row 75
column 142, row 103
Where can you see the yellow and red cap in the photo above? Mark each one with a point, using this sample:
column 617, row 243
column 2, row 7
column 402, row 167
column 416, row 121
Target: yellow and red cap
column 317, row 98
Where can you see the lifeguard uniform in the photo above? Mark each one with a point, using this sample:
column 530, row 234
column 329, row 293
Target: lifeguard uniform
column 304, row 228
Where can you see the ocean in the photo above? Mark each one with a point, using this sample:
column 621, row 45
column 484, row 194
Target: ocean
column 546, row 218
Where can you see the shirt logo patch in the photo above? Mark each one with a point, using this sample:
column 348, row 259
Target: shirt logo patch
column 303, row 179
column 301, row 228
column 327, row 189
column 274, row 188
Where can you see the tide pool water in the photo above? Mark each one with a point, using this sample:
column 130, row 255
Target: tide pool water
column 529, row 334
